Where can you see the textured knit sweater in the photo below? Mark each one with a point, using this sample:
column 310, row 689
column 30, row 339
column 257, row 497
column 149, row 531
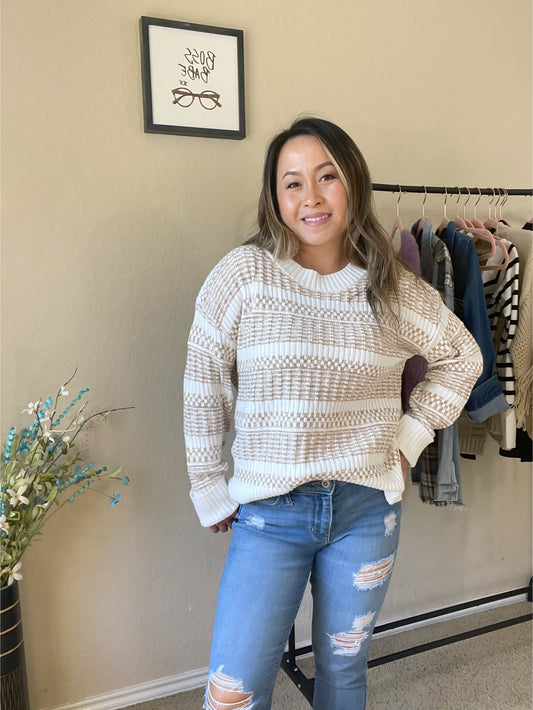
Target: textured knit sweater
column 317, row 380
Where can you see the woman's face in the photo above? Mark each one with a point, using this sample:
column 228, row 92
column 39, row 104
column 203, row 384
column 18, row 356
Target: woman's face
column 312, row 198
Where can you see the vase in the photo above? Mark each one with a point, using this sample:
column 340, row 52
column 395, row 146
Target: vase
column 12, row 660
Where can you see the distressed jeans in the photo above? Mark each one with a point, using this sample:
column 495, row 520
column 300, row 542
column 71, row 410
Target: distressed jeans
column 341, row 536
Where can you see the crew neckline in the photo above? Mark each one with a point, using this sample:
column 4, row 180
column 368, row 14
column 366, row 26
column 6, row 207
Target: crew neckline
column 311, row 279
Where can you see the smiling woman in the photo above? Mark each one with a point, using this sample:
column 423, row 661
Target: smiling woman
column 314, row 319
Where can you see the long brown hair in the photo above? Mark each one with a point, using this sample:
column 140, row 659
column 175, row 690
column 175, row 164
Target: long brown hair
column 366, row 242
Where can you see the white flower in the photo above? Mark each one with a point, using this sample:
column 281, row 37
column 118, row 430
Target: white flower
column 32, row 407
column 17, row 496
column 63, row 392
column 4, row 525
column 66, row 439
column 14, row 574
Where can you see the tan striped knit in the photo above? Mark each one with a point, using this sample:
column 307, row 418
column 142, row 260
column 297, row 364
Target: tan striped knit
column 319, row 381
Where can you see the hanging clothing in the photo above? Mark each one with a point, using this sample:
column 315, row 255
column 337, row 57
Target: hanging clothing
column 501, row 289
column 487, row 397
column 521, row 347
column 438, row 471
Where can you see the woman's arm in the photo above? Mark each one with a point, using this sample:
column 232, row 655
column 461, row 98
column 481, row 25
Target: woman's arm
column 208, row 390
column 455, row 362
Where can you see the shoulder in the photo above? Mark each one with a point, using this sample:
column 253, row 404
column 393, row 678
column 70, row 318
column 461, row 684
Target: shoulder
column 226, row 284
column 240, row 264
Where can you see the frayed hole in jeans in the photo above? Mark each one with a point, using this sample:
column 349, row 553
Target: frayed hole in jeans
column 226, row 693
column 373, row 574
column 348, row 643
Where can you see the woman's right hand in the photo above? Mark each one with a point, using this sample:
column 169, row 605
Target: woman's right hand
column 224, row 525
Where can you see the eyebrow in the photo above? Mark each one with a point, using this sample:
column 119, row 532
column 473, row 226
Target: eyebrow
column 318, row 167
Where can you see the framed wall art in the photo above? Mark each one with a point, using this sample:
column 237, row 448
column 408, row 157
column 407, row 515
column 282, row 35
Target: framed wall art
column 192, row 79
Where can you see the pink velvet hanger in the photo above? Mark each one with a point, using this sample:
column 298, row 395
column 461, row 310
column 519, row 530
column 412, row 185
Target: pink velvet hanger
column 475, row 232
column 491, row 222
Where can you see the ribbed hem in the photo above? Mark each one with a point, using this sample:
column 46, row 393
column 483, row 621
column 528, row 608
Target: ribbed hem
column 215, row 505
column 412, row 438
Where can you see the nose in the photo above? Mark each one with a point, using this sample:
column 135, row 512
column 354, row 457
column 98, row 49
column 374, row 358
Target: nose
column 312, row 195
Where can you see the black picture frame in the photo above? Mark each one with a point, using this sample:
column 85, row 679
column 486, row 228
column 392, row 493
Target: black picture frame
column 192, row 79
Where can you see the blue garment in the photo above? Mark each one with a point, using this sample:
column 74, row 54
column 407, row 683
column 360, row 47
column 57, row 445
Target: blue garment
column 438, row 470
column 344, row 536
column 487, row 397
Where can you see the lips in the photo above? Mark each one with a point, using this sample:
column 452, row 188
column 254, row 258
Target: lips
column 318, row 218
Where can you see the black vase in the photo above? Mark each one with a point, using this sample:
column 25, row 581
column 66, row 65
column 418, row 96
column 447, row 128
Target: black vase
column 12, row 661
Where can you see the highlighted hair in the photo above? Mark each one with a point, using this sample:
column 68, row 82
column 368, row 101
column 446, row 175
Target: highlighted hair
column 366, row 243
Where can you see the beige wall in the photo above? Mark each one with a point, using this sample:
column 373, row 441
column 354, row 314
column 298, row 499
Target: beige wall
column 108, row 232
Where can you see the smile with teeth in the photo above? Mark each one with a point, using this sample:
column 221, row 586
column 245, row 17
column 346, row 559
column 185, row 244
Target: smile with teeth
column 316, row 219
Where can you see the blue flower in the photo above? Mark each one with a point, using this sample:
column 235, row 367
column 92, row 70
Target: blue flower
column 114, row 500
column 67, row 410
column 125, row 481
column 9, row 444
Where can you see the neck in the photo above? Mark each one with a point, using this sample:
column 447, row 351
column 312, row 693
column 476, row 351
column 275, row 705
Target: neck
column 323, row 261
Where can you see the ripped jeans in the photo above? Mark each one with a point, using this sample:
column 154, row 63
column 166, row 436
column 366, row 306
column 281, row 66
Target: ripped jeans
column 341, row 535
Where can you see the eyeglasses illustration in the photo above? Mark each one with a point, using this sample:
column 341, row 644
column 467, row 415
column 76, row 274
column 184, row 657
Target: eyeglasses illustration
column 184, row 97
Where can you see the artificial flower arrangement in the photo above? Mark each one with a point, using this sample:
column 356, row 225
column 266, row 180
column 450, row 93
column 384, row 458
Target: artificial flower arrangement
column 41, row 472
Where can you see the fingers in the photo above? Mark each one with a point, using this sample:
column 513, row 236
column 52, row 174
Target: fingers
column 224, row 525
column 227, row 524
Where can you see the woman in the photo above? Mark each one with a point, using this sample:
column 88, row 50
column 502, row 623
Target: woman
column 312, row 320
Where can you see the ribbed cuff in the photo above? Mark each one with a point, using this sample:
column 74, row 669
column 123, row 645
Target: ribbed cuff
column 214, row 505
column 412, row 438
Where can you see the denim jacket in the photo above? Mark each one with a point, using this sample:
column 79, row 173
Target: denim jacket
column 487, row 397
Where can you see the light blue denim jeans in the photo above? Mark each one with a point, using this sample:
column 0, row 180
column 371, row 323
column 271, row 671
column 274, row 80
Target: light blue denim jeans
column 344, row 538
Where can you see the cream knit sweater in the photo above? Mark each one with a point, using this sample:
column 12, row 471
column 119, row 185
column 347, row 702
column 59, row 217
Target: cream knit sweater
column 318, row 380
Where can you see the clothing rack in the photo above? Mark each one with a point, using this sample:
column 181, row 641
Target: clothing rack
column 443, row 190
column 289, row 662
column 306, row 685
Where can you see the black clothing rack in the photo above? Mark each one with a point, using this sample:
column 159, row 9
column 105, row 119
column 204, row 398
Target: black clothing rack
column 306, row 685
column 289, row 663
column 443, row 190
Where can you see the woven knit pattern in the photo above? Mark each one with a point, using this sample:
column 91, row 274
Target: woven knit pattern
column 319, row 380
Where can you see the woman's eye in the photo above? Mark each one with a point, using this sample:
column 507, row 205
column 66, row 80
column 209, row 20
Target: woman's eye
column 327, row 177
column 292, row 185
